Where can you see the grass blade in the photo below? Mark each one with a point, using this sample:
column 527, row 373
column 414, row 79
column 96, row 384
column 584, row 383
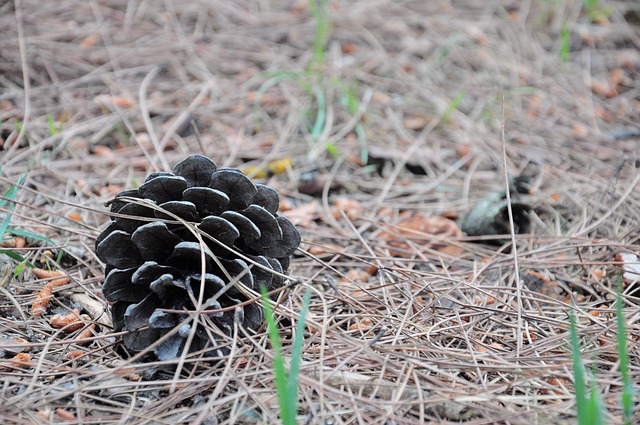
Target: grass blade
column 9, row 196
column 28, row 234
column 627, row 389
column 296, row 354
column 578, row 373
column 287, row 415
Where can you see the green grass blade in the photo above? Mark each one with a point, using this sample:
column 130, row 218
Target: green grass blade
column 596, row 409
column 452, row 106
column 296, row 354
column 15, row 256
column 287, row 414
column 52, row 125
column 28, row 234
column 320, row 12
column 10, row 195
column 578, row 373
column 627, row 389
column 319, row 122
column 564, row 46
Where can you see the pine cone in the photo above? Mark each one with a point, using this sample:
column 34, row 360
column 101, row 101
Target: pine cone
column 154, row 263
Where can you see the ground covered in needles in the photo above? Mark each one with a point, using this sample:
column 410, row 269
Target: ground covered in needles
column 381, row 124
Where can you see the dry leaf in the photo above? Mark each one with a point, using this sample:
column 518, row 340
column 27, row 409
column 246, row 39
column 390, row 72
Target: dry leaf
column 356, row 275
column 323, row 251
column 416, row 123
column 16, row 242
column 75, row 217
column 264, row 99
column 119, row 101
column 103, row 151
column 603, row 89
column 74, row 355
column 65, row 414
column 432, row 232
column 305, row 214
column 598, row 273
column 380, row 98
column 89, row 40
column 349, row 48
column 363, row 325
column 580, row 130
column 352, row 208
column 17, row 361
column 538, row 282
column 555, row 382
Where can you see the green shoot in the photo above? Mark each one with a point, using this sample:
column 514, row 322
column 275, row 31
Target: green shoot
column 286, row 386
column 564, row 40
column 627, row 389
column 591, row 409
column 452, row 107
column 594, row 11
column 28, row 234
column 319, row 122
column 320, row 12
column 352, row 105
column 9, row 196
column 52, row 125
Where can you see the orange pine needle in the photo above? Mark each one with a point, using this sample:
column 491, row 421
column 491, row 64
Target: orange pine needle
column 70, row 322
column 19, row 360
column 44, row 296
column 87, row 333
column 46, row 274
column 74, row 355
column 65, row 414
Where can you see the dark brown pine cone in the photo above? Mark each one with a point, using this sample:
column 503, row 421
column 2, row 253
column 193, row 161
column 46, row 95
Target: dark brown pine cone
column 153, row 264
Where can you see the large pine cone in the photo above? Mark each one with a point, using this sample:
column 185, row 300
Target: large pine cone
column 154, row 261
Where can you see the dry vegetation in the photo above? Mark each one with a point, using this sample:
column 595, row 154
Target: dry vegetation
column 406, row 326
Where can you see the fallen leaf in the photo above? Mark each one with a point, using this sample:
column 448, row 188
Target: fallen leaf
column 119, row 101
column 416, row 123
column 349, row 48
column 598, row 273
column 305, row 214
column 603, row 89
column 363, row 325
column 556, row 382
column 580, row 130
column 427, row 232
column 324, row 251
column 380, row 98
column 264, row 99
column 65, row 414
column 352, row 208
column 89, row 40
column 538, row 282
column 355, row 275
column 76, row 217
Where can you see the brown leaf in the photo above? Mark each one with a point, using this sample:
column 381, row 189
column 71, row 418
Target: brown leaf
column 89, row 40
column 305, row 214
column 416, row 123
column 352, row 208
column 427, row 232
column 119, row 101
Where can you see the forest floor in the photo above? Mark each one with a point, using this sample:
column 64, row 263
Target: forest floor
column 382, row 124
